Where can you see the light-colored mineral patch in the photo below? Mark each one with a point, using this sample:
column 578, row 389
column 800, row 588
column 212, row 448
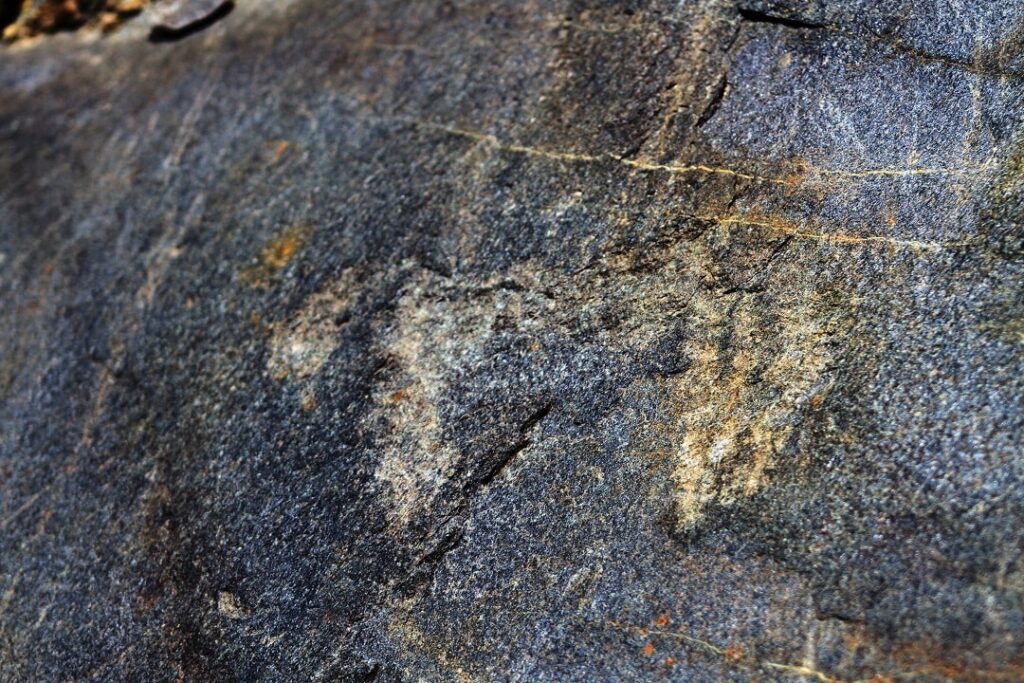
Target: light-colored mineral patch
column 737, row 409
column 436, row 334
column 300, row 346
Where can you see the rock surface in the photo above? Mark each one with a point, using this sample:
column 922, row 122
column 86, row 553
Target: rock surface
column 519, row 341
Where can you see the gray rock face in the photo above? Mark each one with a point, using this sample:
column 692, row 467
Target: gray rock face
column 516, row 341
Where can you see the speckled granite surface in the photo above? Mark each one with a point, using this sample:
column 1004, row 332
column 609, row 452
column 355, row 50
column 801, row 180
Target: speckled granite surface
column 516, row 341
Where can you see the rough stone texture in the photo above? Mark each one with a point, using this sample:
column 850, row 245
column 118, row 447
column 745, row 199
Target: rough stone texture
column 520, row 341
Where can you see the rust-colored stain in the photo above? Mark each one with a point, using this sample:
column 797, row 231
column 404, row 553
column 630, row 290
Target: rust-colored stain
column 661, row 621
column 795, row 178
column 309, row 403
column 276, row 255
column 279, row 252
column 278, row 148
column 918, row 660
column 733, row 653
column 670, row 662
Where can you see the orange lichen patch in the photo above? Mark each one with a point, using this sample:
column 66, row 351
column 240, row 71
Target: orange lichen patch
column 733, row 653
column 661, row 621
column 670, row 662
column 279, row 252
column 648, row 649
column 679, row 636
column 276, row 255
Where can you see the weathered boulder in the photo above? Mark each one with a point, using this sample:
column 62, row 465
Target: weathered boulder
column 389, row 340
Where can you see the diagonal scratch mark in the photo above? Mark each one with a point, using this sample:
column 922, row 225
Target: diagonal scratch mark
column 29, row 502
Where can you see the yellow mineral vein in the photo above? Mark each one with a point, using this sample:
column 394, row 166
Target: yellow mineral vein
column 783, row 227
column 800, row 173
column 773, row 225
